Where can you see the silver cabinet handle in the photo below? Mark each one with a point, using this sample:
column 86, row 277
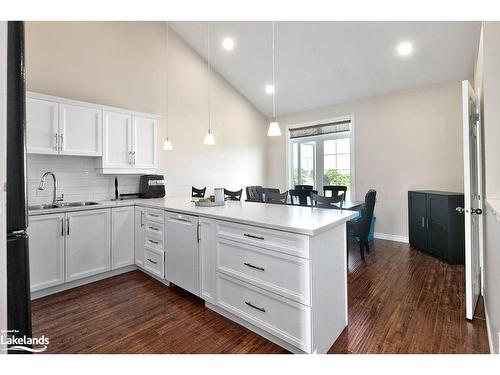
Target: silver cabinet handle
column 133, row 157
column 61, row 143
column 153, row 241
column 460, row 210
column 198, row 232
column 142, row 218
column 130, row 158
column 427, row 219
column 153, row 228
column 253, row 236
column 181, row 220
column 152, row 261
column 423, row 222
column 154, row 215
column 62, row 227
column 67, row 226
column 255, row 307
column 253, row 266
column 56, row 146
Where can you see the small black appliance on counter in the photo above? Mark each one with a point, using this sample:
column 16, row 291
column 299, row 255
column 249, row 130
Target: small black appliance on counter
column 152, row 186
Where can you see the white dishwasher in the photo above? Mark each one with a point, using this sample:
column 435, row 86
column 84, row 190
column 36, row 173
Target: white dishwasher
column 181, row 251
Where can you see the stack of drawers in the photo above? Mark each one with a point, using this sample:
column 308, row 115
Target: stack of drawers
column 263, row 277
column 154, row 252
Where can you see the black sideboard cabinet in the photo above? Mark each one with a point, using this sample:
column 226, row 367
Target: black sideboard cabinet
column 435, row 226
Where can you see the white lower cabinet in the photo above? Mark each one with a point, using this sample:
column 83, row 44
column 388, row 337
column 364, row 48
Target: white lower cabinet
column 88, row 243
column 154, row 261
column 46, row 251
column 139, row 236
column 122, row 237
column 286, row 319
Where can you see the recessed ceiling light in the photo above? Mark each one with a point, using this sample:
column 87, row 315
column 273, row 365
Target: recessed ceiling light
column 269, row 89
column 405, row 48
column 228, row 43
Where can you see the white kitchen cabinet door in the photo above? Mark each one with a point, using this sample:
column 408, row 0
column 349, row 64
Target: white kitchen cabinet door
column 80, row 130
column 122, row 243
column 117, row 140
column 88, row 243
column 139, row 236
column 207, row 259
column 144, row 142
column 46, row 250
column 42, row 126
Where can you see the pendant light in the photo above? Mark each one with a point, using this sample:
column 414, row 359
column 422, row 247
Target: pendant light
column 167, row 145
column 274, row 128
column 209, row 138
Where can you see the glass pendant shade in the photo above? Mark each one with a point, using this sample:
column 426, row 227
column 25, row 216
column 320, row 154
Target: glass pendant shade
column 209, row 139
column 167, row 145
column 274, row 129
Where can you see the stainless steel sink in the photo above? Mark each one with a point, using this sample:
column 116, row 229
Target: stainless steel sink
column 42, row 207
column 76, row 204
column 60, row 205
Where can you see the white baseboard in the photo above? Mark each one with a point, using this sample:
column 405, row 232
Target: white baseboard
column 391, row 237
column 488, row 329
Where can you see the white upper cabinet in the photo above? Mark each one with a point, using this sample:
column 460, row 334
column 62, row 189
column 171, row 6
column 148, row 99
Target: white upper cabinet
column 125, row 141
column 117, row 140
column 80, row 130
column 42, row 132
column 144, row 142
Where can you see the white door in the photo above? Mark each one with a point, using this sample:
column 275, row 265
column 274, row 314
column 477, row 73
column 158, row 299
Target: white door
column 139, row 236
column 80, row 130
column 117, row 140
column 472, row 200
column 42, row 126
column 88, row 243
column 122, row 243
column 144, row 142
column 46, row 249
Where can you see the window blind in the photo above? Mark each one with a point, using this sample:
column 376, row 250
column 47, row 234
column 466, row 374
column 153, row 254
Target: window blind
column 321, row 129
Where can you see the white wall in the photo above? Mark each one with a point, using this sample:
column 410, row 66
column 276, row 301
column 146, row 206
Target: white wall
column 123, row 64
column 403, row 141
column 3, row 166
column 488, row 79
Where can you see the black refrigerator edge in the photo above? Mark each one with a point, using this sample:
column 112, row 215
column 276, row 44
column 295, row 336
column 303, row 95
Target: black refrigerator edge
column 18, row 285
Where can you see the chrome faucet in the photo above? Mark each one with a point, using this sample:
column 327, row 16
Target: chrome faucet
column 55, row 197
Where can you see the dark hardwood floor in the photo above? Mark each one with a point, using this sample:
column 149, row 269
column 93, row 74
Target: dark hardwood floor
column 400, row 301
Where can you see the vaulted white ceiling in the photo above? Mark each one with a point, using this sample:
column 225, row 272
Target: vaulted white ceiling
column 322, row 63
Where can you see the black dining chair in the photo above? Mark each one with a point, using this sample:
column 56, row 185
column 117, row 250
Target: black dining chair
column 271, row 190
column 335, row 190
column 254, row 193
column 198, row 193
column 233, row 195
column 276, row 197
column 360, row 228
column 320, row 201
column 304, row 187
column 300, row 197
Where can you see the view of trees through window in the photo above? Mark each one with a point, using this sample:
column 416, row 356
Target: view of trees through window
column 331, row 156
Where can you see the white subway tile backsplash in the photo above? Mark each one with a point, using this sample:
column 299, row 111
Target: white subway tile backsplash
column 76, row 179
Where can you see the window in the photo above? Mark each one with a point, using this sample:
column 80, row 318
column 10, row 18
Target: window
column 321, row 155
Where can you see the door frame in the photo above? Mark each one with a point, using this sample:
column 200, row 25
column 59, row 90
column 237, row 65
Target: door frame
column 288, row 160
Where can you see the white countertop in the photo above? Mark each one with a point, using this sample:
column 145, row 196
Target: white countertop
column 296, row 219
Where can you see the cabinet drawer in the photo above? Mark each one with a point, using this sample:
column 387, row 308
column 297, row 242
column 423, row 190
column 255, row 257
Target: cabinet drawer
column 154, row 243
column 288, row 320
column 154, row 215
column 154, row 261
column 277, row 272
column 153, row 229
column 285, row 242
